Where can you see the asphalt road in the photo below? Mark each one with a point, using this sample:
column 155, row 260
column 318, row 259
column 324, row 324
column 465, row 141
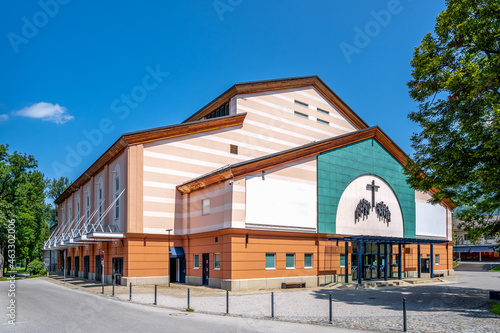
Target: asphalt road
column 43, row 306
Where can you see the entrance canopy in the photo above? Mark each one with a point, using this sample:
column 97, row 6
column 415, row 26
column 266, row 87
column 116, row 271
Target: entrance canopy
column 177, row 252
column 388, row 240
column 467, row 249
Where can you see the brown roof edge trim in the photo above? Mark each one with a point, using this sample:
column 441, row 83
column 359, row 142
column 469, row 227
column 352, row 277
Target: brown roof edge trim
column 107, row 156
column 167, row 132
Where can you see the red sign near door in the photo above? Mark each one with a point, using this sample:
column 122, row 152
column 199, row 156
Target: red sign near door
column 102, row 256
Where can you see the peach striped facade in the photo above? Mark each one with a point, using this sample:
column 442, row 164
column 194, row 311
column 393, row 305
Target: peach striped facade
column 275, row 120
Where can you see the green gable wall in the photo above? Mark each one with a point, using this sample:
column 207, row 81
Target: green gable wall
column 339, row 167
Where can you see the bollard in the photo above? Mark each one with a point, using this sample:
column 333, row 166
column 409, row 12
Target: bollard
column 155, row 294
column 404, row 314
column 103, row 286
column 227, row 301
column 330, row 301
column 114, row 286
column 188, row 299
column 272, row 304
column 130, row 297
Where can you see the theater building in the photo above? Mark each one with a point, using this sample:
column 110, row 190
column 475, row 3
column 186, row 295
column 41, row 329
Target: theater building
column 272, row 182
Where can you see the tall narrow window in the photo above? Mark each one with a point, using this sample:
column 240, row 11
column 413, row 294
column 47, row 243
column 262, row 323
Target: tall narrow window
column 62, row 214
column 196, row 260
column 70, row 212
column 436, row 259
column 87, row 208
column 99, row 198
column 117, row 193
column 217, row 261
column 342, row 260
column 78, row 209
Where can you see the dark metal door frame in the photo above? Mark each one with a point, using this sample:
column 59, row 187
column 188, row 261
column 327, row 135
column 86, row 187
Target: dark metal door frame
column 206, row 268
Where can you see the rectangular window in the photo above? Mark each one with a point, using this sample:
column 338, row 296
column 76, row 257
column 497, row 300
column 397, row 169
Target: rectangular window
column 324, row 122
column 308, row 260
column 196, row 260
column 217, row 261
column 302, row 103
column 290, row 260
column 100, row 202
column 342, row 260
column 233, row 149
column 205, row 207
column 322, row 111
column 117, row 184
column 436, row 259
column 300, row 114
column 270, row 261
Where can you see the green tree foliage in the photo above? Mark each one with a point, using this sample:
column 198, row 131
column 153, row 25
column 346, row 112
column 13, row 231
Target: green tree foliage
column 56, row 187
column 456, row 80
column 22, row 199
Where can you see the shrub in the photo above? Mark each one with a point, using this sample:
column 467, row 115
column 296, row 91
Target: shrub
column 35, row 267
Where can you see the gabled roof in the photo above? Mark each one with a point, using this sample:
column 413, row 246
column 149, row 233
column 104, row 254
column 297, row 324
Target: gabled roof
column 281, row 84
column 154, row 134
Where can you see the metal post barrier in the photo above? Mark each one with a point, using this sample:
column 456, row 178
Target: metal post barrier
column 227, row 301
column 103, row 285
column 330, row 306
column 404, row 314
column 114, row 286
column 155, row 294
column 188, row 299
column 272, row 304
column 130, row 297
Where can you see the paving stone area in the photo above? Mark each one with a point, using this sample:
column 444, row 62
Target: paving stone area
column 458, row 304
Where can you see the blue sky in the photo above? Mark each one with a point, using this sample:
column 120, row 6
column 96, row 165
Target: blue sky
column 67, row 66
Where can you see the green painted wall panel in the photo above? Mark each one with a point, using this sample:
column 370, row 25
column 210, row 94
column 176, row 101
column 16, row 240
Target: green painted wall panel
column 339, row 167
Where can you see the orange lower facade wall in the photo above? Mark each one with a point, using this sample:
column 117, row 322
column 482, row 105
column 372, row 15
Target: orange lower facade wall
column 242, row 255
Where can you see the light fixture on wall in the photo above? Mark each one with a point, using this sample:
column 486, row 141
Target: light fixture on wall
column 263, row 174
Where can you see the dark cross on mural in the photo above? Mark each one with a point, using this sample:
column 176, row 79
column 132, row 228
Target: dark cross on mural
column 372, row 187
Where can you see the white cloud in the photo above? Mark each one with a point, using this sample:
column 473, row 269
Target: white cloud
column 4, row 117
column 47, row 112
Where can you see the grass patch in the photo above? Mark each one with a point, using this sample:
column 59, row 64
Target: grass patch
column 5, row 278
column 189, row 310
column 495, row 308
column 455, row 264
column 496, row 269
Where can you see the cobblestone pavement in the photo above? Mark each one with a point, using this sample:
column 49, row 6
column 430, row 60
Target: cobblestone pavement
column 459, row 304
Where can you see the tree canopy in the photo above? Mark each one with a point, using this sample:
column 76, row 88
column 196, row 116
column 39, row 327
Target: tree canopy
column 22, row 199
column 456, row 80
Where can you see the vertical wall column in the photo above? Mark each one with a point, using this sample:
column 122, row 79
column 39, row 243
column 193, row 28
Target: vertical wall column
column 378, row 261
column 419, row 264
column 400, row 255
column 135, row 183
column 387, row 263
column 431, row 261
column 346, row 262
column 360, row 260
